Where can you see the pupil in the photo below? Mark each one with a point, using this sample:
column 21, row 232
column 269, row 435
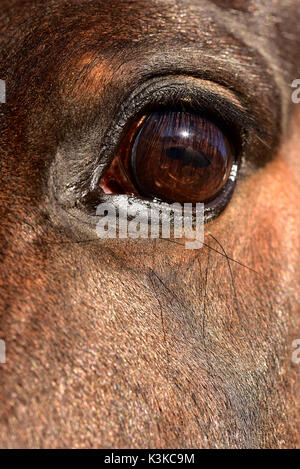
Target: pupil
column 180, row 157
column 189, row 156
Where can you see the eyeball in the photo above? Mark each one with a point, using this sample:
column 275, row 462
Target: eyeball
column 173, row 156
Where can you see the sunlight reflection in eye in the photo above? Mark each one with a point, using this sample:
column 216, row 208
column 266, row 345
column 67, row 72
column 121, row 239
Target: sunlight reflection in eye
column 233, row 172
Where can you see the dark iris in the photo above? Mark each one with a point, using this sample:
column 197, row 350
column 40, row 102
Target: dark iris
column 172, row 156
column 180, row 157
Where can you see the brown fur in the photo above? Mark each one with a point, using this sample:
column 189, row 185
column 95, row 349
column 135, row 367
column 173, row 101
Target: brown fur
column 123, row 343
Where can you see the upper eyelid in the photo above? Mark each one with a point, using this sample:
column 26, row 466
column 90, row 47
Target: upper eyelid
column 188, row 83
column 209, row 87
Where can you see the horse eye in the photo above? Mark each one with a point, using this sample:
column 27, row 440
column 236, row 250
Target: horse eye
column 172, row 156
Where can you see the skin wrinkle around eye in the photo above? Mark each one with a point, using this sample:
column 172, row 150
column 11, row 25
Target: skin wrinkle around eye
column 116, row 63
column 93, row 73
